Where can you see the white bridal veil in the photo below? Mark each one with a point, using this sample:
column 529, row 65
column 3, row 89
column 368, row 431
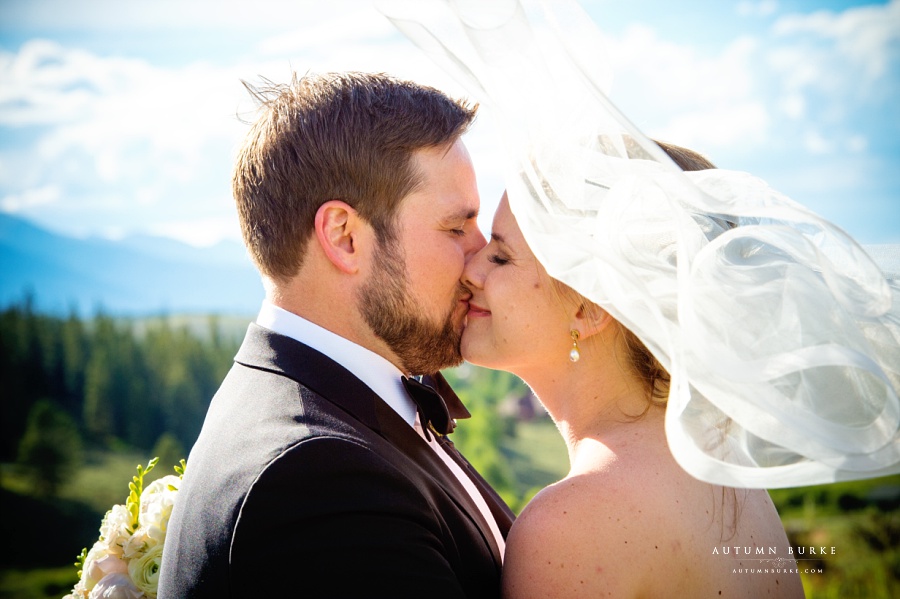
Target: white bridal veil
column 781, row 334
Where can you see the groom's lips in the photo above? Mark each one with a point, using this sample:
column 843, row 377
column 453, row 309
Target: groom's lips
column 462, row 305
column 476, row 311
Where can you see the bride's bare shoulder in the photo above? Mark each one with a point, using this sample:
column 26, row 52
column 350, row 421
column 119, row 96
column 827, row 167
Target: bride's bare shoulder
column 583, row 536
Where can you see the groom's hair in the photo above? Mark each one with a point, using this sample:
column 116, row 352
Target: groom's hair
column 337, row 136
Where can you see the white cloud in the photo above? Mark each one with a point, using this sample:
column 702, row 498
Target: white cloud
column 31, row 198
column 793, row 105
column 201, row 232
column 197, row 15
column 689, row 96
column 679, row 73
column 143, row 143
column 815, row 143
column 865, row 36
column 858, row 143
column 116, row 140
column 109, row 122
column 327, row 32
column 152, row 119
column 762, row 8
column 150, row 146
column 46, row 84
column 720, row 127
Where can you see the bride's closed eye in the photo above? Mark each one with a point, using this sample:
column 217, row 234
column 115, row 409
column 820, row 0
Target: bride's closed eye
column 498, row 259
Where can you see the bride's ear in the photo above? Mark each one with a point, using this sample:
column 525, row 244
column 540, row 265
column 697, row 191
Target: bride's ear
column 591, row 319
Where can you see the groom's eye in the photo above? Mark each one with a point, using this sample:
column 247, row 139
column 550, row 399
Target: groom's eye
column 458, row 232
column 498, row 260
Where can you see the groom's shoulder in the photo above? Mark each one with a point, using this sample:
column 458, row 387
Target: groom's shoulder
column 245, row 479
column 257, row 408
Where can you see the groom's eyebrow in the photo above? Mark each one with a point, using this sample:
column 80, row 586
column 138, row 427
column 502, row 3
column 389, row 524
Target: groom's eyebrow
column 498, row 238
column 463, row 215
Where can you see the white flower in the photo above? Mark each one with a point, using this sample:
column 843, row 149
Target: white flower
column 136, row 545
column 124, row 563
column 144, row 570
column 156, row 507
column 79, row 592
column 116, row 528
column 100, row 562
column 116, row 586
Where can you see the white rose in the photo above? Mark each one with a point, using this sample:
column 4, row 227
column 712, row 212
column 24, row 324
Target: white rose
column 116, row 528
column 116, row 586
column 137, row 544
column 79, row 592
column 144, row 570
column 156, row 507
column 99, row 563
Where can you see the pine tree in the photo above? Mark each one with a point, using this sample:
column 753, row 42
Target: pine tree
column 51, row 446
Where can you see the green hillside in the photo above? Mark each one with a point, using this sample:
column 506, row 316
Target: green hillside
column 85, row 401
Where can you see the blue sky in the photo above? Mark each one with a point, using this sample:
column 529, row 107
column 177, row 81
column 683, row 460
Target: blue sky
column 121, row 117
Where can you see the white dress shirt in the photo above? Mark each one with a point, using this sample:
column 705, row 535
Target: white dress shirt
column 379, row 375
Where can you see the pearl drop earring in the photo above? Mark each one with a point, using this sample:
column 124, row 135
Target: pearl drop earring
column 574, row 354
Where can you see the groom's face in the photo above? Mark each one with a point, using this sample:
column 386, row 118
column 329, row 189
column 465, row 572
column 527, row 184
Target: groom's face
column 413, row 299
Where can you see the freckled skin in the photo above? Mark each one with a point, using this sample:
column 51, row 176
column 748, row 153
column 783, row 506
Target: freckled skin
column 626, row 521
column 518, row 307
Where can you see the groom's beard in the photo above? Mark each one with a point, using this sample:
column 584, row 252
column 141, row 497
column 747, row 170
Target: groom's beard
column 386, row 304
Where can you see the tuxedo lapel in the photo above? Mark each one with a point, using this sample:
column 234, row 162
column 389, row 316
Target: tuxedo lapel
column 267, row 350
column 404, row 437
column 501, row 512
column 317, row 372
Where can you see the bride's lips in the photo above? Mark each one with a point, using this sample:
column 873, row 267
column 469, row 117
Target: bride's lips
column 476, row 311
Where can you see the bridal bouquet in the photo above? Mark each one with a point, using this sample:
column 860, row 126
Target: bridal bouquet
column 124, row 562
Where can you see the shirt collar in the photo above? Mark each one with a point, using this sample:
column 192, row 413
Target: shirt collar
column 378, row 373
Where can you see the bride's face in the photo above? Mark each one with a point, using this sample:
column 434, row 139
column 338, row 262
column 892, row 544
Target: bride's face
column 516, row 320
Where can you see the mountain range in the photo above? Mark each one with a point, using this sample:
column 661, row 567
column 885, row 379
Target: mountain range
column 134, row 276
column 143, row 275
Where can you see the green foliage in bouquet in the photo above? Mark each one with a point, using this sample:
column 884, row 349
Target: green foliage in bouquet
column 136, row 487
column 125, row 560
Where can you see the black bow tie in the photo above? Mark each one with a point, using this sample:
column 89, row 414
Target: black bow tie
column 432, row 410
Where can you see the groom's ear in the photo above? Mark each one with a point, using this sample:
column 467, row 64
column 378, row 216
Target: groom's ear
column 339, row 232
column 591, row 319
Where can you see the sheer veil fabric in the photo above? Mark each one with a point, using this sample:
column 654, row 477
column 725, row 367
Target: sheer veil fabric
column 780, row 332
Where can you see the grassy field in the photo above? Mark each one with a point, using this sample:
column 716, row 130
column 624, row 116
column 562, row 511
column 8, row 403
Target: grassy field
column 537, row 456
column 44, row 535
column 861, row 520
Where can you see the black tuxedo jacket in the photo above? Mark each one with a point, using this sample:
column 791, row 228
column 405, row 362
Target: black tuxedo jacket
column 304, row 483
